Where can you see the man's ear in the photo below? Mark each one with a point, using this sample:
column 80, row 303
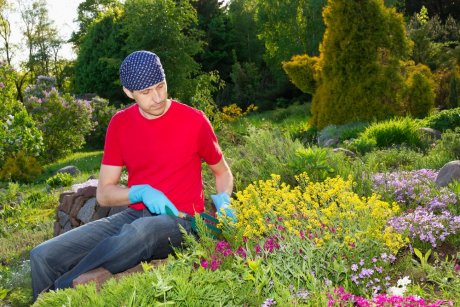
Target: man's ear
column 128, row 93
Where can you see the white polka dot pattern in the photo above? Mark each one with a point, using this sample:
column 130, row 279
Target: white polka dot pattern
column 141, row 69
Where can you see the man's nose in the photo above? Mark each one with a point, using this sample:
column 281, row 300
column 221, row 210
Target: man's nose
column 156, row 97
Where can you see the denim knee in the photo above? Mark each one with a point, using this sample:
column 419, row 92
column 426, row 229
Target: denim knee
column 38, row 253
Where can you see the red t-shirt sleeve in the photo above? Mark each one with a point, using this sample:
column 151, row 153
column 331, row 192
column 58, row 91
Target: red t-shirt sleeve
column 208, row 146
column 112, row 150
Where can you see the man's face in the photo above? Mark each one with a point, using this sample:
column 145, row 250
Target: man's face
column 153, row 101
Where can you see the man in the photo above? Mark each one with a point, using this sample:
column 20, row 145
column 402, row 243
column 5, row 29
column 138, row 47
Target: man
column 162, row 144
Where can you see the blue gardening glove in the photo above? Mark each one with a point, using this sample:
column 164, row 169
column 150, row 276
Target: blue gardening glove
column 155, row 201
column 222, row 202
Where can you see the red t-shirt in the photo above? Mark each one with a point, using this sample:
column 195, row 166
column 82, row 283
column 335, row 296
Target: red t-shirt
column 165, row 152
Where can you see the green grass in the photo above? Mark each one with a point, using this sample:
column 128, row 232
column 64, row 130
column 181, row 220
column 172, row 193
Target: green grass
column 87, row 162
column 293, row 119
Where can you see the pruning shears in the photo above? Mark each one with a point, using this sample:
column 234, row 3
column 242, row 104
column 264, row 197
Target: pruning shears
column 209, row 220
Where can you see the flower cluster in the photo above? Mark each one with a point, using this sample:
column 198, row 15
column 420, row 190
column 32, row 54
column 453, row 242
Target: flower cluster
column 221, row 251
column 340, row 298
column 372, row 275
column 233, row 112
column 401, row 287
column 321, row 211
column 414, row 188
column 269, row 302
column 426, row 226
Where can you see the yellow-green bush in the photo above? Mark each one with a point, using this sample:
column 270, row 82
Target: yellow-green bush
column 400, row 131
column 20, row 167
column 418, row 94
column 359, row 75
column 303, row 71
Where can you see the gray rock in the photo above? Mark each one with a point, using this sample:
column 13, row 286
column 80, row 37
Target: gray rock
column 430, row 134
column 347, row 152
column 63, row 218
column 67, row 227
column 448, row 173
column 70, row 169
column 331, row 142
column 86, row 212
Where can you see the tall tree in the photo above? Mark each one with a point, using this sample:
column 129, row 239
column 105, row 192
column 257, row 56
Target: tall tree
column 213, row 22
column 167, row 28
column 100, row 55
column 244, row 31
column 442, row 8
column 7, row 47
column 41, row 37
column 87, row 12
column 288, row 28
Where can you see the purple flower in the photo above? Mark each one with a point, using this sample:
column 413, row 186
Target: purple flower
column 354, row 267
column 269, row 302
column 424, row 225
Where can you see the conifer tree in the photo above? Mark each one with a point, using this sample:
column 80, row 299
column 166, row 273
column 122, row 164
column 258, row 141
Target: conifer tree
column 360, row 62
column 358, row 73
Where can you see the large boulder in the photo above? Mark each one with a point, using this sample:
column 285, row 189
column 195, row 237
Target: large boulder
column 347, row 152
column 429, row 134
column 70, row 169
column 448, row 173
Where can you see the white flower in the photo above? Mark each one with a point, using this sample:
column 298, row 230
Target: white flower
column 396, row 291
column 404, row 281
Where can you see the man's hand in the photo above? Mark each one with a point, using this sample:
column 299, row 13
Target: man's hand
column 222, row 203
column 155, row 201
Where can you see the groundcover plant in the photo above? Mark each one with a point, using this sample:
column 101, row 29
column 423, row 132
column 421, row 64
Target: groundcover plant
column 311, row 244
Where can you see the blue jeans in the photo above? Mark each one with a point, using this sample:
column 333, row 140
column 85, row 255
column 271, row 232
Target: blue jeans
column 115, row 243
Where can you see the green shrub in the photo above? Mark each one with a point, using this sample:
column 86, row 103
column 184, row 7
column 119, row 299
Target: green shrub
column 443, row 120
column 401, row 131
column 63, row 119
column 263, row 152
column 453, row 100
column 392, row 159
column 449, row 144
column 419, row 91
column 314, row 161
column 101, row 115
column 206, row 85
column 20, row 167
column 8, row 100
column 18, row 133
column 303, row 71
column 59, row 180
column 361, row 145
column 341, row 132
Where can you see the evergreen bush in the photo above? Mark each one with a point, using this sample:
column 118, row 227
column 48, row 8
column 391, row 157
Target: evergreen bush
column 419, row 91
column 443, row 120
column 360, row 77
column 402, row 131
column 303, row 71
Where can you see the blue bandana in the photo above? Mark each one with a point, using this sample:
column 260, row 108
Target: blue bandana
column 140, row 70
